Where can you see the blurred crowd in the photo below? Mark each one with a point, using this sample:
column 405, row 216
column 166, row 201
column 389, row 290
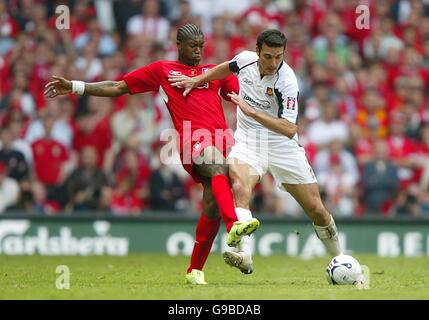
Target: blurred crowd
column 364, row 110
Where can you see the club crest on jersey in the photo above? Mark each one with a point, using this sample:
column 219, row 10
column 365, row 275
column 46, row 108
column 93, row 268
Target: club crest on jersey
column 269, row 92
column 290, row 103
column 205, row 85
column 193, row 72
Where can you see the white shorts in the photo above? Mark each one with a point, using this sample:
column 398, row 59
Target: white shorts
column 286, row 161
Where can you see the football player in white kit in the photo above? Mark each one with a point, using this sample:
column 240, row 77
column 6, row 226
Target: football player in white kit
column 266, row 138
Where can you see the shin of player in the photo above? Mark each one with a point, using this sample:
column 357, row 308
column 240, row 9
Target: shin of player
column 329, row 236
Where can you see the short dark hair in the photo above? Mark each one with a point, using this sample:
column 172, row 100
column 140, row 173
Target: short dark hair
column 272, row 38
column 188, row 31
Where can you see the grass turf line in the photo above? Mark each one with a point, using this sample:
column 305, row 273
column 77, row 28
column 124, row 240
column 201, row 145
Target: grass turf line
column 158, row 276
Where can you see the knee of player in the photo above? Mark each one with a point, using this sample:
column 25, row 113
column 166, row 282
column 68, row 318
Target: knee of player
column 239, row 189
column 317, row 208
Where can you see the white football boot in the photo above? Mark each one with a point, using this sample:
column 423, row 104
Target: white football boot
column 240, row 260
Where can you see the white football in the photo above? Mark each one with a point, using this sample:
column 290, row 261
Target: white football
column 344, row 269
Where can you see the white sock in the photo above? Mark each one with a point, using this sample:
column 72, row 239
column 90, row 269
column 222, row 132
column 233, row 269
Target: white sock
column 245, row 243
column 243, row 214
column 329, row 236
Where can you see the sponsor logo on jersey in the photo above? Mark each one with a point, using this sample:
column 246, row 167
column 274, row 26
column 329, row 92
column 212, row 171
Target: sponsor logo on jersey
column 175, row 73
column 247, row 81
column 264, row 105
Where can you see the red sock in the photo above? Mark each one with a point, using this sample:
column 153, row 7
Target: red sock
column 205, row 234
column 223, row 195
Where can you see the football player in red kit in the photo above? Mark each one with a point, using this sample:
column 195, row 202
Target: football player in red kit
column 196, row 118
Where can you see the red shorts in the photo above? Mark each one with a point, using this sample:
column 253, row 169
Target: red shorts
column 194, row 149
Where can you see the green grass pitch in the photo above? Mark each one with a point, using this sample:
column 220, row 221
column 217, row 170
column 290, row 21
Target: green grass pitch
column 159, row 277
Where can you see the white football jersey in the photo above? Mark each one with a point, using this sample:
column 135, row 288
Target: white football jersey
column 275, row 94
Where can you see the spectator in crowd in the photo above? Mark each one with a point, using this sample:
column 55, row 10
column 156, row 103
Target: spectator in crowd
column 345, row 102
column 364, row 145
column 46, row 150
column 20, row 98
column 131, row 190
column 421, row 159
column 149, row 25
column 106, row 45
column 330, row 124
column 372, row 115
column 40, row 204
column 9, row 189
column 134, row 127
column 166, row 189
column 304, row 141
column 382, row 40
column 8, row 29
column 124, row 201
column 263, row 14
column 340, row 188
column 16, row 127
column 313, row 106
column 123, row 10
column 94, row 130
column 61, row 130
column 380, row 181
column 17, row 167
column 338, row 175
column 424, row 187
column 421, row 155
column 86, row 187
column 401, row 148
column 183, row 13
column 425, row 61
column 89, row 63
column 408, row 202
column 338, row 153
column 331, row 39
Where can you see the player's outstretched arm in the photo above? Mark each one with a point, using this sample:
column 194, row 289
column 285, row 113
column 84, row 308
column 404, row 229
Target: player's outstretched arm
column 279, row 125
column 221, row 71
column 61, row 86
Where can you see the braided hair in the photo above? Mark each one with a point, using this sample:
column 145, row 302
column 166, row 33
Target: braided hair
column 188, row 31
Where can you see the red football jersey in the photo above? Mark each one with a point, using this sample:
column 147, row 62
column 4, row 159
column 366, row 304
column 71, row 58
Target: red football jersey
column 49, row 157
column 202, row 106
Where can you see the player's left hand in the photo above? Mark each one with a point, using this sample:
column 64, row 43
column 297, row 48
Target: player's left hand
column 181, row 81
column 243, row 105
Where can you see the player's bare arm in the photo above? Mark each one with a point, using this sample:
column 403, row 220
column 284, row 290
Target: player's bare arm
column 61, row 86
column 221, row 71
column 279, row 125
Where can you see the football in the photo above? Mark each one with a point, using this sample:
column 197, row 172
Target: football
column 344, row 269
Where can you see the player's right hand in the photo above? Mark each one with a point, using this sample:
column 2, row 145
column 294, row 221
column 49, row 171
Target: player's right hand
column 181, row 81
column 57, row 87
